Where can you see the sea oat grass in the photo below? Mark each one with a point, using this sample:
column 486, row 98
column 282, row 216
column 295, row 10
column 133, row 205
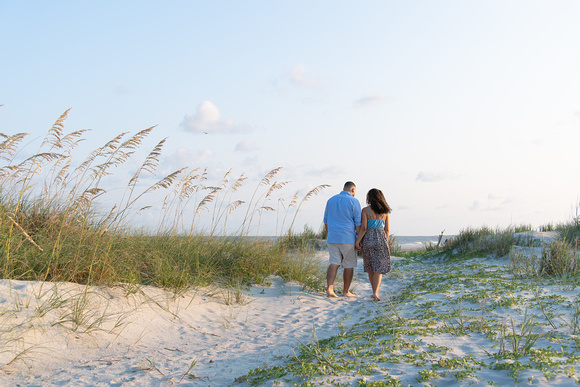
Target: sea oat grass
column 394, row 247
column 570, row 231
column 524, row 263
column 559, row 258
column 58, row 223
column 307, row 239
column 166, row 261
column 483, row 240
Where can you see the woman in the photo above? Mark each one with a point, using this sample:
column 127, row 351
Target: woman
column 373, row 239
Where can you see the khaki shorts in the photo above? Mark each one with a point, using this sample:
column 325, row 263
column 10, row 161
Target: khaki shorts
column 342, row 254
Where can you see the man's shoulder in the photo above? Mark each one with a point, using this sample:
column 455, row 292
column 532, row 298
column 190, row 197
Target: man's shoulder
column 350, row 198
column 335, row 197
column 343, row 195
column 344, row 200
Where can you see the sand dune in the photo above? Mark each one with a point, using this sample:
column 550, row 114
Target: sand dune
column 65, row 334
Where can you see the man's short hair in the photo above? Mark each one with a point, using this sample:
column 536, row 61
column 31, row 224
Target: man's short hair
column 348, row 186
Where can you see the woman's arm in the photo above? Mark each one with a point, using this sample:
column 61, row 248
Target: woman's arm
column 387, row 226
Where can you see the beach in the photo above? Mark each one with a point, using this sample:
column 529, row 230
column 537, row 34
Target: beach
column 169, row 182
column 152, row 337
column 418, row 242
column 69, row 334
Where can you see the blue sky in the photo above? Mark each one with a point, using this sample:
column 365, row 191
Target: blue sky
column 463, row 113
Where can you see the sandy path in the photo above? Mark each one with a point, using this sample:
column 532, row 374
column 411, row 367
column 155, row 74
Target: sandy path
column 152, row 338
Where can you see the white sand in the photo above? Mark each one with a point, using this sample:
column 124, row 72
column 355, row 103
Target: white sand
column 146, row 336
column 158, row 335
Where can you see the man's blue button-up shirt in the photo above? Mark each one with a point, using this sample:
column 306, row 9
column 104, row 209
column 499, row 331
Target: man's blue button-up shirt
column 342, row 215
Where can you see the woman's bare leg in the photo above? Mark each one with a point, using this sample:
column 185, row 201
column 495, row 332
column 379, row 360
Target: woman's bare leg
column 376, row 284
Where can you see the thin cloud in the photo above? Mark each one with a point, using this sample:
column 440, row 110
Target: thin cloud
column 370, row 100
column 246, row 146
column 183, row 157
column 433, row 177
column 207, row 119
column 122, row 90
column 501, row 199
column 493, row 203
column 300, row 75
column 327, row 171
column 251, row 161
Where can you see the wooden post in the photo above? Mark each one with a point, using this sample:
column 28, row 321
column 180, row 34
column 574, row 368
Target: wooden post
column 440, row 237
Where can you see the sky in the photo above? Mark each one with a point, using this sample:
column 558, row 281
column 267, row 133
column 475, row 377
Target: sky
column 464, row 113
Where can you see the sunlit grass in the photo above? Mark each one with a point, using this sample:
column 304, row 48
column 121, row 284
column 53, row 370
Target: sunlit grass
column 59, row 223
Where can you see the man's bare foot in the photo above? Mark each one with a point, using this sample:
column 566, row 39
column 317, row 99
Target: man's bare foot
column 330, row 293
column 348, row 294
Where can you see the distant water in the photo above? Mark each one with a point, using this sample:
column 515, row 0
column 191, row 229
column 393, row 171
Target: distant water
column 407, row 243
column 414, row 242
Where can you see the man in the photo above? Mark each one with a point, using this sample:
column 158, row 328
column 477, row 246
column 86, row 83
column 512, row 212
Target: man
column 342, row 219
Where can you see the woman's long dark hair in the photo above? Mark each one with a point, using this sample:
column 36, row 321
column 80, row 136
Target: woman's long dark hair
column 376, row 200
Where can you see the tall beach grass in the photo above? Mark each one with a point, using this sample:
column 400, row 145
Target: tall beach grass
column 58, row 222
column 528, row 256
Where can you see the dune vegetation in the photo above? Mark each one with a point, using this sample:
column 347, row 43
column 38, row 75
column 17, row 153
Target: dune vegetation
column 490, row 307
column 59, row 223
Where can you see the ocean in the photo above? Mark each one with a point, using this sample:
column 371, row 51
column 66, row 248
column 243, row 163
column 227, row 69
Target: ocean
column 416, row 242
column 407, row 243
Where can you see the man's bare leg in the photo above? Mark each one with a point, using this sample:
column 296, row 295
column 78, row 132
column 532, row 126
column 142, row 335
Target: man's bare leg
column 330, row 277
column 347, row 274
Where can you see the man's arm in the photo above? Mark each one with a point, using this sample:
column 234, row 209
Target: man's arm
column 357, row 218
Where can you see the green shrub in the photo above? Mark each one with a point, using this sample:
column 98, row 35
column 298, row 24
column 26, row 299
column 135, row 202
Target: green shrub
column 547, row 227
column 322, row 234
column 571, row 231
column 394, row 248
column 307, row 239
column 524, row 263
column 559, row 258
column 483, row 240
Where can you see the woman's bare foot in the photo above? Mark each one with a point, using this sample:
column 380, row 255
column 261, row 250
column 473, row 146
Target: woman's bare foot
column 376, row 298
column 330, row 293
column 348, row 294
